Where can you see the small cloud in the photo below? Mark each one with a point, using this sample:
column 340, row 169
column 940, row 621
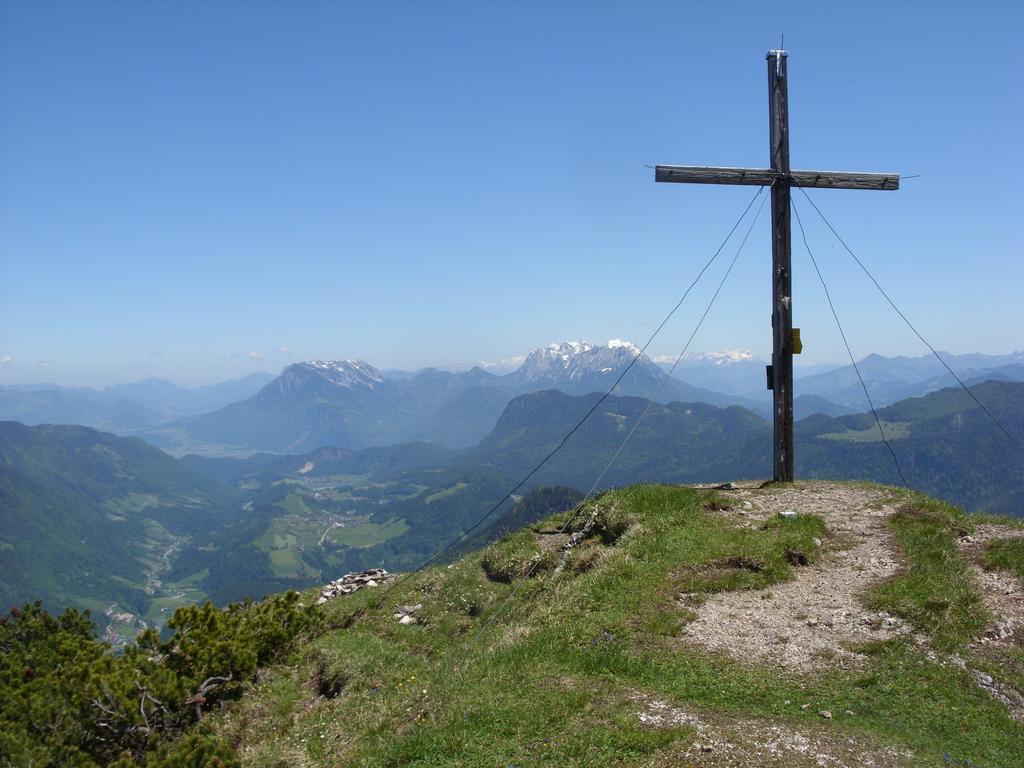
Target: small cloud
column 6, row 360
column 43, row 363
column 724, row 357
column 664, row 359
column 259, row 354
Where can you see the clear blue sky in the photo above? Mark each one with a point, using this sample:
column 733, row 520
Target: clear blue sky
column 187, row 186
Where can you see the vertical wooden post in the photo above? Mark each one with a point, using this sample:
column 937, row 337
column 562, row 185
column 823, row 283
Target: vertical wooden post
column 782, row 282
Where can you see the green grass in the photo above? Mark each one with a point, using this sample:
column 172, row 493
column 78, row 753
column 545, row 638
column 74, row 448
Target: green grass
column 368, row 534
column 1008, row 555
column 189, row 582
column 283, row 540
column 546, row 671
column 517, row 556
column 746, row 558
column 894, row 430
column 284, row 561
column 132, row 502
column 444, row 493
column 286, row 564
column 281, row 544
column 937, row 591
column 294, row 504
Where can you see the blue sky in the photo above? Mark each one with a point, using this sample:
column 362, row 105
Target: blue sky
column 197, row 190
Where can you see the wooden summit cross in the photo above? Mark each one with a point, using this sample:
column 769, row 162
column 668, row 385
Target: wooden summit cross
column 779, row 177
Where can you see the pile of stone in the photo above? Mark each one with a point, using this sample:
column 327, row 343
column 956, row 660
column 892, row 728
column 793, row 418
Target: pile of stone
column 351, row 582
column 406, row 614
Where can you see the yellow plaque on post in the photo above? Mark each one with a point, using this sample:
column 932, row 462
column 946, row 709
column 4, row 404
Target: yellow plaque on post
column 798, row 346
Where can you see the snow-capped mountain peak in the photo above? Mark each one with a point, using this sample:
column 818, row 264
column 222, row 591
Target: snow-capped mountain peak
column 345, row 367
column 627, row 345
column 567, row 349
column 573, row 361
column 347, row 373
column 350, row 374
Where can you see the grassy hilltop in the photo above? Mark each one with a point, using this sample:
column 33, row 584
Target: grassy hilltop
column 688, row 627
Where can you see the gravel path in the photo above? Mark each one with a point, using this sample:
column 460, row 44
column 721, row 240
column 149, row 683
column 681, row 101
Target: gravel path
column 746, row 742
column 810, row 621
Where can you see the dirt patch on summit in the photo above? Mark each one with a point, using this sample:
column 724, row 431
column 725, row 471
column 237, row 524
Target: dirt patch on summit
column 817, row 617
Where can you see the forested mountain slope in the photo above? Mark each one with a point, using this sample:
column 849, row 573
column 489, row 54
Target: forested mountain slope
column 86, row 518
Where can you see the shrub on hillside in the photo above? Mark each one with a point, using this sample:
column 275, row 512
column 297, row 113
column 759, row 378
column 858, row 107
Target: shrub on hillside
column 610, row 522
column 66, row 699
column 515, row 557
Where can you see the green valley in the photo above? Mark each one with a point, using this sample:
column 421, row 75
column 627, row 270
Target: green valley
column 129, row 531
column 94, row 521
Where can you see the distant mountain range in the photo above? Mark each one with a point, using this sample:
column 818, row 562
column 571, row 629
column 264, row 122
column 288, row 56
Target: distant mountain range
column 889, row 378
column 579, row 368
column 351, row 404
column 342, row 403
column 122, row 408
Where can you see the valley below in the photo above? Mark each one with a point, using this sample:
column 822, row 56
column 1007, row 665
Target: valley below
column 132, row 533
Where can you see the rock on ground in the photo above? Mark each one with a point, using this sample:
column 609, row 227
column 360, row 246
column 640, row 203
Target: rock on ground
column 351, row 582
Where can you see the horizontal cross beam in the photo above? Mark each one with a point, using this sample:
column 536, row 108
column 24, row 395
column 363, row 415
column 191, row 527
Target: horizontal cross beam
column 765, row 177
